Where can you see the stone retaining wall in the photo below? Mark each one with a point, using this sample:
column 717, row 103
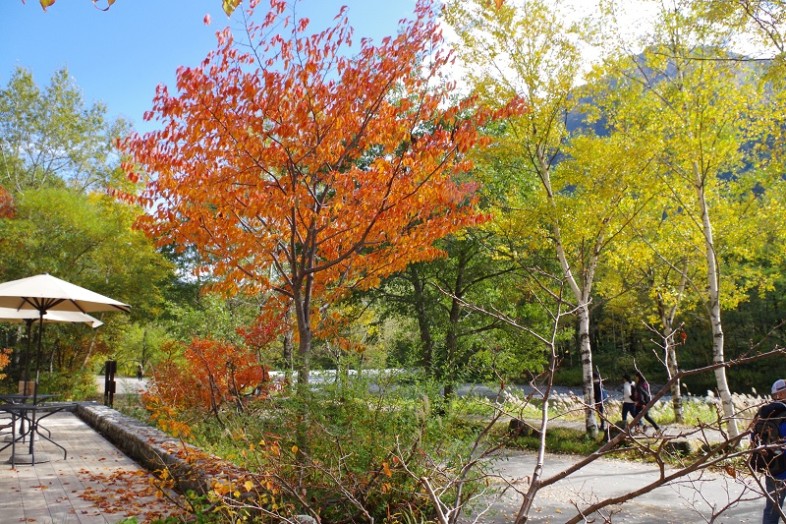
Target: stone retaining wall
column 191, row 468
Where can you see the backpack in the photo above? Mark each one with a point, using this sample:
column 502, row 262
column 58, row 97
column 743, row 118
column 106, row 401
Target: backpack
column 767, row 432
column 643, row 393
column 634, row 392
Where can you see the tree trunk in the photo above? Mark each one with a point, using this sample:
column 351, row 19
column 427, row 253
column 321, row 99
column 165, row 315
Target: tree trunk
column 582, row 294
column 676, row 391
column 585, row 350
column 452, row 335
column 303, row 364
column 288, row 350
column 581, row 288
column 715, row 311
column 451, row 347
column 427, row 342
column 303, row 368
column 90, row 348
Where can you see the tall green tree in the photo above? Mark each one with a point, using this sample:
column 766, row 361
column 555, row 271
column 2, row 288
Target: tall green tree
column 88, row 240
column 456, row 342
column 50, row 138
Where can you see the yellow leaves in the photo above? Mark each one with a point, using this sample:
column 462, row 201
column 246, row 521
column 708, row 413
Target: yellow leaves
column 46, row 3
column 221, row 488
column 229, row 6
column 386, row 470
column 249, row 485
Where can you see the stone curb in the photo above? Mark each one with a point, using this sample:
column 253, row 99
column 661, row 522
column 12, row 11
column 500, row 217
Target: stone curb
column 191, row 468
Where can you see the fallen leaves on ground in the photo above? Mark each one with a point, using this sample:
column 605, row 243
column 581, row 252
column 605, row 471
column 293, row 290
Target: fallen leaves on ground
column 131, row 493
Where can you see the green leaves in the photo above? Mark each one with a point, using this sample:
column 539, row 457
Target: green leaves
column 51, row 138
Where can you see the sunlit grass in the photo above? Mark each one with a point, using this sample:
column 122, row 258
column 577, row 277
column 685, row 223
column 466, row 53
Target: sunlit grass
column 560, row 440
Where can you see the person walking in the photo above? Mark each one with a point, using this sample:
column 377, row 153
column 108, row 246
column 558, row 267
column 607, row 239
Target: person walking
column 599, row 397
column 644, row 397
column 774, row 472
column 628, row 403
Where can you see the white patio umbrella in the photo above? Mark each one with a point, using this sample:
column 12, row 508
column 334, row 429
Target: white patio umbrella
column 22, row 315
column 47, row 294
column 44, row 293
column 28, row 316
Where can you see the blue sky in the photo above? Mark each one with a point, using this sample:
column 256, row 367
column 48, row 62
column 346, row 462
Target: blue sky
column 119, row 56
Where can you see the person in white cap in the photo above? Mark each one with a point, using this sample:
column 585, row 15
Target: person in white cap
column 775, row 479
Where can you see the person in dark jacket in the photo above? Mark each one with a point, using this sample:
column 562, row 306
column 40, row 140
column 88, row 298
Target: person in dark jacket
column 775, row 483
column 644, row 396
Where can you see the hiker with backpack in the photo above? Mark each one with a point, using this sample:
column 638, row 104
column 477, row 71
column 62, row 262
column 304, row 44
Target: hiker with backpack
column 768, row 429
column 643, row 397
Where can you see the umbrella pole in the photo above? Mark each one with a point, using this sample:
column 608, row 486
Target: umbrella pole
column 35, row 384
column 26, row 370
column 38, row 355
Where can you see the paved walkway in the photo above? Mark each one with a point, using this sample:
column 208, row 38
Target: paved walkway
column 95, row 484
column 692, row 500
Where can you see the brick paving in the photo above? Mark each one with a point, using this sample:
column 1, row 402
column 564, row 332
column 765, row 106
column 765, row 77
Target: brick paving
column 95, row 484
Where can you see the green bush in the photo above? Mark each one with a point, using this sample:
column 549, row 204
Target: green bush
column 68, row 386
column 342, row 434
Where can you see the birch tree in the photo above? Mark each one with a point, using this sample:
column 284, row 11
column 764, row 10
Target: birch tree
column 570, row 193
column 711, row 125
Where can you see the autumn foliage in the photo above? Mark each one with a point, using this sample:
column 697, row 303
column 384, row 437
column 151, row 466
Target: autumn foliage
column 293, row 167
column 212, row 375
column 7, row 206
column 5, row 359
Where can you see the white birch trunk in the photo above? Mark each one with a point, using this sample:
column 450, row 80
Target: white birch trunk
column 715, row 312
column 581, row 292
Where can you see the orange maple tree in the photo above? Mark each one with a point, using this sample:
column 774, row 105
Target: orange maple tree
column 212, row 374
column 296, row 168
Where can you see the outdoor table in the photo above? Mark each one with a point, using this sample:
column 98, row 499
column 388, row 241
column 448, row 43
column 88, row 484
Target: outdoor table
column 33, row 414
column 24, row 399
column 14, row 398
